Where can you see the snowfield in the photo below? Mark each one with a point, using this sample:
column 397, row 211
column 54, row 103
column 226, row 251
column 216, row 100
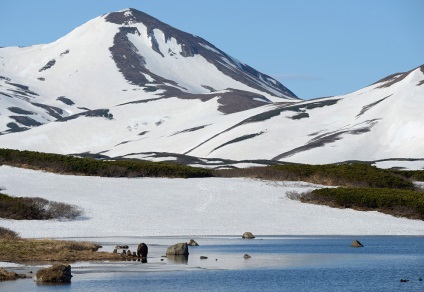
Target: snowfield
column 171, row 207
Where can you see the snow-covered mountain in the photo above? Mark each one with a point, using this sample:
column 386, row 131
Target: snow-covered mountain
column 127, row 85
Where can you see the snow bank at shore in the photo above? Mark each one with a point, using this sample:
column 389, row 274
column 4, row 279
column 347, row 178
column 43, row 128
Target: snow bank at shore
column 171, row 207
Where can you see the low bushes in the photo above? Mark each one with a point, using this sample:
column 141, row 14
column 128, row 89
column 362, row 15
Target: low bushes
column 404, row 203
column 8, row 234
column 35, row 209
column 92, row 167
column 352, row 175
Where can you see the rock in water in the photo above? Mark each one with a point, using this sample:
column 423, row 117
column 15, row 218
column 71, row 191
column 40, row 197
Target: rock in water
column 246, row 256
column 248, row 235
column 6, row 275
column 178, row 249
column 55, row 274
column 356, row 243
column 193, row 243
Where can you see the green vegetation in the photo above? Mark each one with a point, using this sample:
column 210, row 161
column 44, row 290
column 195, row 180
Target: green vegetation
column 417, row 175
column 35, row 209
column 404, row 203
column 92, row 167
column 365, row 187
column 352, row 175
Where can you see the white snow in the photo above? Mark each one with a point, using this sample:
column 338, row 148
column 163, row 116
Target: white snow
column 89, row 77
column 171, row 207
column 403, row 164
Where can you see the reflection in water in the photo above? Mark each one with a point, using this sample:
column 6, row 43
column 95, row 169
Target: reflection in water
column 177, row 259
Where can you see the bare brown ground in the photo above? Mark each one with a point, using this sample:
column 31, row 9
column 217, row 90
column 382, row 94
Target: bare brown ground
column 47, row 250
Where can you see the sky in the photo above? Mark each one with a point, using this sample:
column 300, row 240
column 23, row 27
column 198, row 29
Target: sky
column 315, row 48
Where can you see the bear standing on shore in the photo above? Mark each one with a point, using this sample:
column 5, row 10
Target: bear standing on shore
column 142, row 250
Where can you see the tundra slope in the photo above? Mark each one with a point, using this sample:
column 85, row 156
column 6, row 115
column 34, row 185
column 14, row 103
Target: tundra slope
column 125, row 85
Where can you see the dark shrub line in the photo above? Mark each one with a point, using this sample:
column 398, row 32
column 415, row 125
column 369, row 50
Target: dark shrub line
column 353, row 175
column 92, row 167
column 403, row 203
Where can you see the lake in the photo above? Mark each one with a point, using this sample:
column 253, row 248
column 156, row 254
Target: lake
column 277, row 263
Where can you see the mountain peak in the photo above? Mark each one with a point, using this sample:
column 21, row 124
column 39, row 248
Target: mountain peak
column 130, row 16
column 162, row 38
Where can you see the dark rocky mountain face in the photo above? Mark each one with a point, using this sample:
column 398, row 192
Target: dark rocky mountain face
column 133, row 64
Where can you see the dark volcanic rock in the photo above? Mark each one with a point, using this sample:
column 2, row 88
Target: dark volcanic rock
column 48, row 65
column 65, row 100
column 26, row 121
column 190, row 46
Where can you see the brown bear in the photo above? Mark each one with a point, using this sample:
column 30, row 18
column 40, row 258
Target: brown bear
column 142, row 250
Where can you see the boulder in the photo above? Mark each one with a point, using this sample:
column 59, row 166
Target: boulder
column 5, row 275
column 142, row 250
column 356, row 243
column 178, row 249
column 248, row 235
column 124, row 252
column 55, row 274
column 246, row 256
column 115, row 251
column 193, row 243
column 129, row 253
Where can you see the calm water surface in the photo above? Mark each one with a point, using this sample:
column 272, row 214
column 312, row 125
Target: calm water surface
column 276, row 264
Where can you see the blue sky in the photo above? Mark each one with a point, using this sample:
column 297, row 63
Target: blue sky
column 315, row 48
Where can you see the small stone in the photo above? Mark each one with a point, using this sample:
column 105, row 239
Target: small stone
column 248, row 235
column 192, row 242
column 246, row 256
column 356, row 243
column 203, row 257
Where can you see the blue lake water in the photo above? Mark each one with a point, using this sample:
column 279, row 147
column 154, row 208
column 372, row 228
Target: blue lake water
column 289, row 263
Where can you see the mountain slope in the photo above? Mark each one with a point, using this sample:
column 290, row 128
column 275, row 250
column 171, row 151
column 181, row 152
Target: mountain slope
column 125, row 85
